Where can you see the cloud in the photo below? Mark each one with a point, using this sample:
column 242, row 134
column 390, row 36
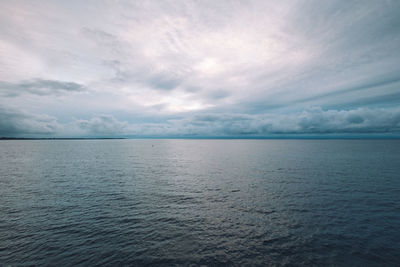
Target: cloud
column 39, row 87
column 20, row 123
column 310, row 121
column 255, row 67
column 102, row 125
column 163, row 82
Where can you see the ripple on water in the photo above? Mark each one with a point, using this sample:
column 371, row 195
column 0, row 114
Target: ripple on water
column 200, row 202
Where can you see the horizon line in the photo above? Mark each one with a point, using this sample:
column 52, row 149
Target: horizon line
column 210, row 138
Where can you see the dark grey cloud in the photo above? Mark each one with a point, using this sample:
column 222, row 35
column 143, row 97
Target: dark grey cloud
column 39, row 87
column 161, row 81
column 15, row 122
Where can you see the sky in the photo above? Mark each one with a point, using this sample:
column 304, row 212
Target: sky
column 199, row 68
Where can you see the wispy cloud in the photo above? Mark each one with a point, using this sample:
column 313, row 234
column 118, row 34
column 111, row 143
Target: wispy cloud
column 39, row 87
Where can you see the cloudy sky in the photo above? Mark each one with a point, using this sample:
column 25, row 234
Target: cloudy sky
column 199, row 68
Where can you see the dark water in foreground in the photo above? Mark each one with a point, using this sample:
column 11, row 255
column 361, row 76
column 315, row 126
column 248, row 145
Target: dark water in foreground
column 200, row 202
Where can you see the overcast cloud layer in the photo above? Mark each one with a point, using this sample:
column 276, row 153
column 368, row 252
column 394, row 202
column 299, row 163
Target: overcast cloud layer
column 199, row 68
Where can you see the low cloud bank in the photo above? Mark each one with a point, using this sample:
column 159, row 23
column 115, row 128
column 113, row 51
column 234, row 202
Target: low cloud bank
column 20, row 123
column 313, row 121
column 310, row 121
column 102, row 125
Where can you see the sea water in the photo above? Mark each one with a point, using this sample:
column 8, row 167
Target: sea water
column 200, row 202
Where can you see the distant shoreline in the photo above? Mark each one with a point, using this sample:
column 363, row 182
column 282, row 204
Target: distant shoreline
column 204, row 138
column 57, row 138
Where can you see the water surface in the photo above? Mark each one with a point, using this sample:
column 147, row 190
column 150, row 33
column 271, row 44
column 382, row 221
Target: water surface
column 200, row 202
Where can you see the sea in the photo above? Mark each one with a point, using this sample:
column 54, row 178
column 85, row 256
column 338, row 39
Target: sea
column 160, row 202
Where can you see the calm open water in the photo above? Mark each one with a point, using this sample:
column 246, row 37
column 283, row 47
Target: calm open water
column 200, row 202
